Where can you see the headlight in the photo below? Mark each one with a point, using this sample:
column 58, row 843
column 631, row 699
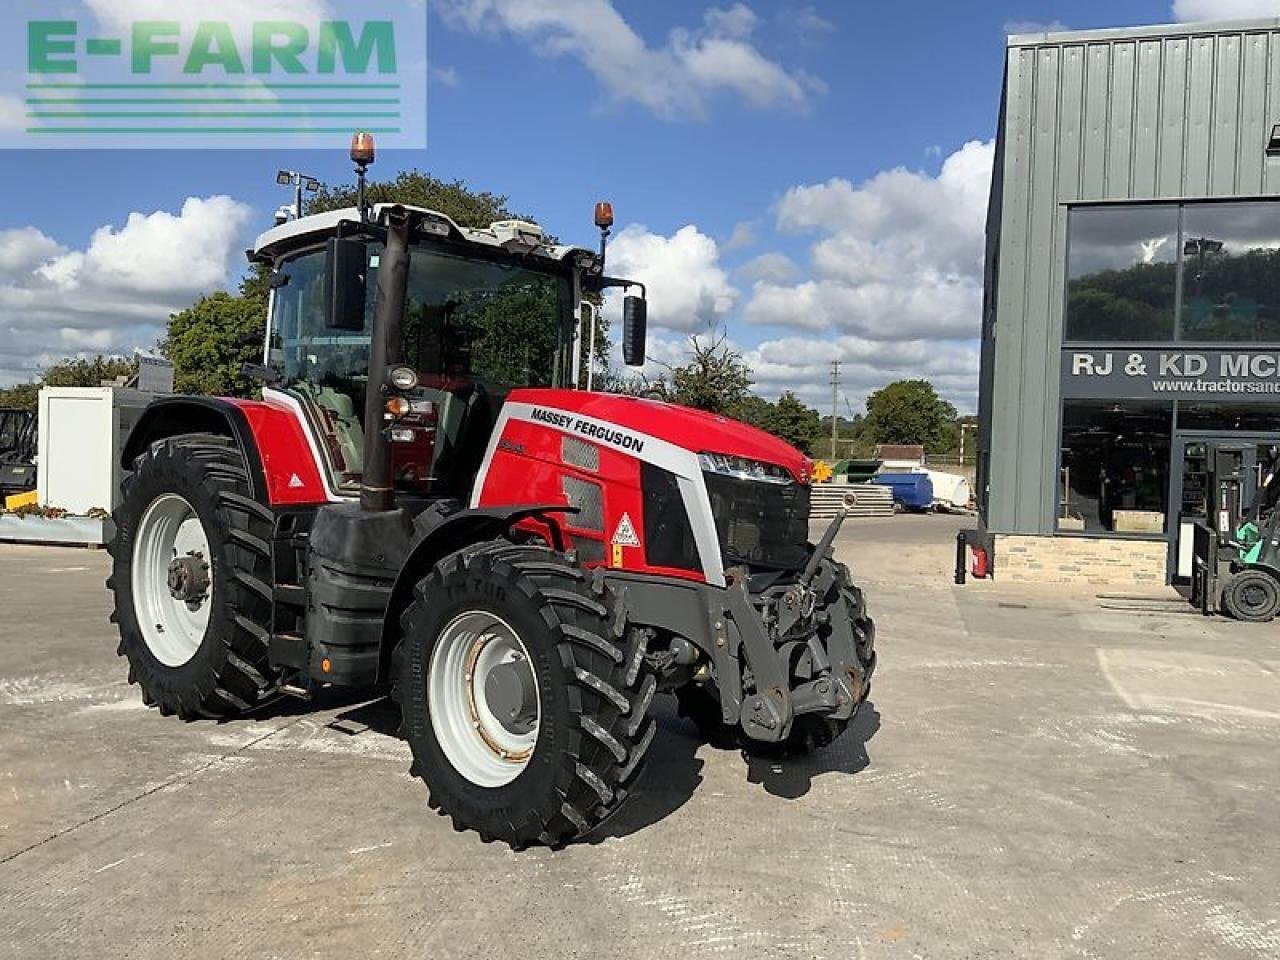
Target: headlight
column 741, row 468
column 403, row 379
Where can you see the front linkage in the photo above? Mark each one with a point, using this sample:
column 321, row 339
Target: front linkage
column 772, row 654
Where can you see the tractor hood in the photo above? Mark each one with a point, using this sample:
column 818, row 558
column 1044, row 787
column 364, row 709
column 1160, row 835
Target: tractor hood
column 694, row 430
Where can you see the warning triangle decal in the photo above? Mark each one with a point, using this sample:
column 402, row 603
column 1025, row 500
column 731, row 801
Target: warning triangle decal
column 625, row 535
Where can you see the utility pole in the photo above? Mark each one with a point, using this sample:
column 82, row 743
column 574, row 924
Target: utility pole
column 835, row 400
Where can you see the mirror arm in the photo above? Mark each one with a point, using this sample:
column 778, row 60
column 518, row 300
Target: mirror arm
column 598, row 284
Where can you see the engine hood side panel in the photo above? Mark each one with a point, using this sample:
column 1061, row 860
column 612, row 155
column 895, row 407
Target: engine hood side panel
column 692, row 430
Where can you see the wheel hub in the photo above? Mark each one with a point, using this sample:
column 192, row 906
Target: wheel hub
column 482, row 696
column 188, row 578
column 172, row 582
column 512, row 696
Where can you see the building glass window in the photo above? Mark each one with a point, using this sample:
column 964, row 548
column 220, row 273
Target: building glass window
column 1114, row 475
column 1231, row 272
column 1220, row 419
column 1122, row 273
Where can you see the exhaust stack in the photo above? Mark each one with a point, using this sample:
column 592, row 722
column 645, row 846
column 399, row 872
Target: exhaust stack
column 377, row 494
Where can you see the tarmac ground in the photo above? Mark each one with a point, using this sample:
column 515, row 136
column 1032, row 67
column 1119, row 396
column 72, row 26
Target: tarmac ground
column 1041, row 773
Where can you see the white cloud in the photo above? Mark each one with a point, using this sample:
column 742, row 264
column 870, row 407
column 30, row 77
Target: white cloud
column 803, row 365
column 770, row 267
column 743, row 235
column 118, row 17
column 445, row 76
column 809, row 24
column 240, row 14
column 679, row 78
column 688, row 289
column 24, row 249
column 899, row 256
column 1195, row 10
column 118, row 292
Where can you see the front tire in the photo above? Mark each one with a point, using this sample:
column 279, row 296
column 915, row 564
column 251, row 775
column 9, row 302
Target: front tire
column 191, row 575
column 524, row 694
column 1252, row 596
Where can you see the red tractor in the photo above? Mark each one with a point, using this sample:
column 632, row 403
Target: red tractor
column 423, row 498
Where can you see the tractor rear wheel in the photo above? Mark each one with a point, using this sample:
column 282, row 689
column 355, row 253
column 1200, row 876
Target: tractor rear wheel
column 524, row 695
column 191, row 576
column 1252, row 596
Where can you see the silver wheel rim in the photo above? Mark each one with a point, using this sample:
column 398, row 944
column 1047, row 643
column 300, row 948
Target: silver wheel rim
column 172, row 627
column 477, row 744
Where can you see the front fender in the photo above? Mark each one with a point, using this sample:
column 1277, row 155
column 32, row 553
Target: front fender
column 449, row 535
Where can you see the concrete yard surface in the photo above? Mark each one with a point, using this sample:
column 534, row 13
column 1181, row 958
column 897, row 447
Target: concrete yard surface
column 1041, row 774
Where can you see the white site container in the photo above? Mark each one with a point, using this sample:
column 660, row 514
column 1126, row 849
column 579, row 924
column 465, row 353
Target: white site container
column 82, row 433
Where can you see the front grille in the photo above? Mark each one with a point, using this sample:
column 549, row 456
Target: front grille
column 760, row 523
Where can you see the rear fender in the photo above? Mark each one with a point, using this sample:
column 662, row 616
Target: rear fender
column 456, row 532
column 172, row 416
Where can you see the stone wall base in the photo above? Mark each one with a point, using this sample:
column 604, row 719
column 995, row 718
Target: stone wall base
column 1085, row 560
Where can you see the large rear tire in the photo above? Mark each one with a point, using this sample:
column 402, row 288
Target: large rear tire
column 192, row 577
column 523, row 693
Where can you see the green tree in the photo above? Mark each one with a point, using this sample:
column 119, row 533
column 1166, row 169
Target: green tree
column 716, row 379
column 792, row 421
column 211, row 340
column 72, row 372
column 910, row 411
column 753, row 409
column 453, row 198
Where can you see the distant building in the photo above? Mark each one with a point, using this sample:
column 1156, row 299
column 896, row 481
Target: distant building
column 900, row 456
column 1132, row 306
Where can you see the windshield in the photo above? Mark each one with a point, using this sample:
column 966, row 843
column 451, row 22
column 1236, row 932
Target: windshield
column 472, row 329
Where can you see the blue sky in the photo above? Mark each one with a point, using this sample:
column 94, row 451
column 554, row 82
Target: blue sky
column 750, row 157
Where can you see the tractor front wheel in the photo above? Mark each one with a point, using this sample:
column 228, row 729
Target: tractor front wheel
column 524, row 694
column 1252, row 596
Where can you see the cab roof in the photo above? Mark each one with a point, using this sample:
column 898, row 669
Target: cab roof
column 307, row 231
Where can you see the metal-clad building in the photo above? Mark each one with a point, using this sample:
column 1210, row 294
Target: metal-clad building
column 1132, row 208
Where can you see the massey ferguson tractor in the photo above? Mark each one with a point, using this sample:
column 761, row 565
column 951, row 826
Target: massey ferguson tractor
column 424, row 498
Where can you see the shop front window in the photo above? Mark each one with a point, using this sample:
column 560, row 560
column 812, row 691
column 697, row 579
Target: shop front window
column 1223, row 419
column 1122, row 273
column 1114, row 468
column 1231, row 272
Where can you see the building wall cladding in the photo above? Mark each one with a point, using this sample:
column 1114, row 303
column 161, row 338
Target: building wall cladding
column 1142, row 114
column 1080, row 560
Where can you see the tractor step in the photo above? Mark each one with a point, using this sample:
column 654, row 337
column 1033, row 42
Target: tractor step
column 293, row 690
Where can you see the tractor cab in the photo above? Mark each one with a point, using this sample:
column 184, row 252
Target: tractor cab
column 486, row 311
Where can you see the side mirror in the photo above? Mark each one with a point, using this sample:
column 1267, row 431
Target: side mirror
column 635, row 318
column 345, row 263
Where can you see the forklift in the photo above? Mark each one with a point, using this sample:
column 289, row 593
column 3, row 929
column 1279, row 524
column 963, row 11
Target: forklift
column 1236, row 561
column 17, row 452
